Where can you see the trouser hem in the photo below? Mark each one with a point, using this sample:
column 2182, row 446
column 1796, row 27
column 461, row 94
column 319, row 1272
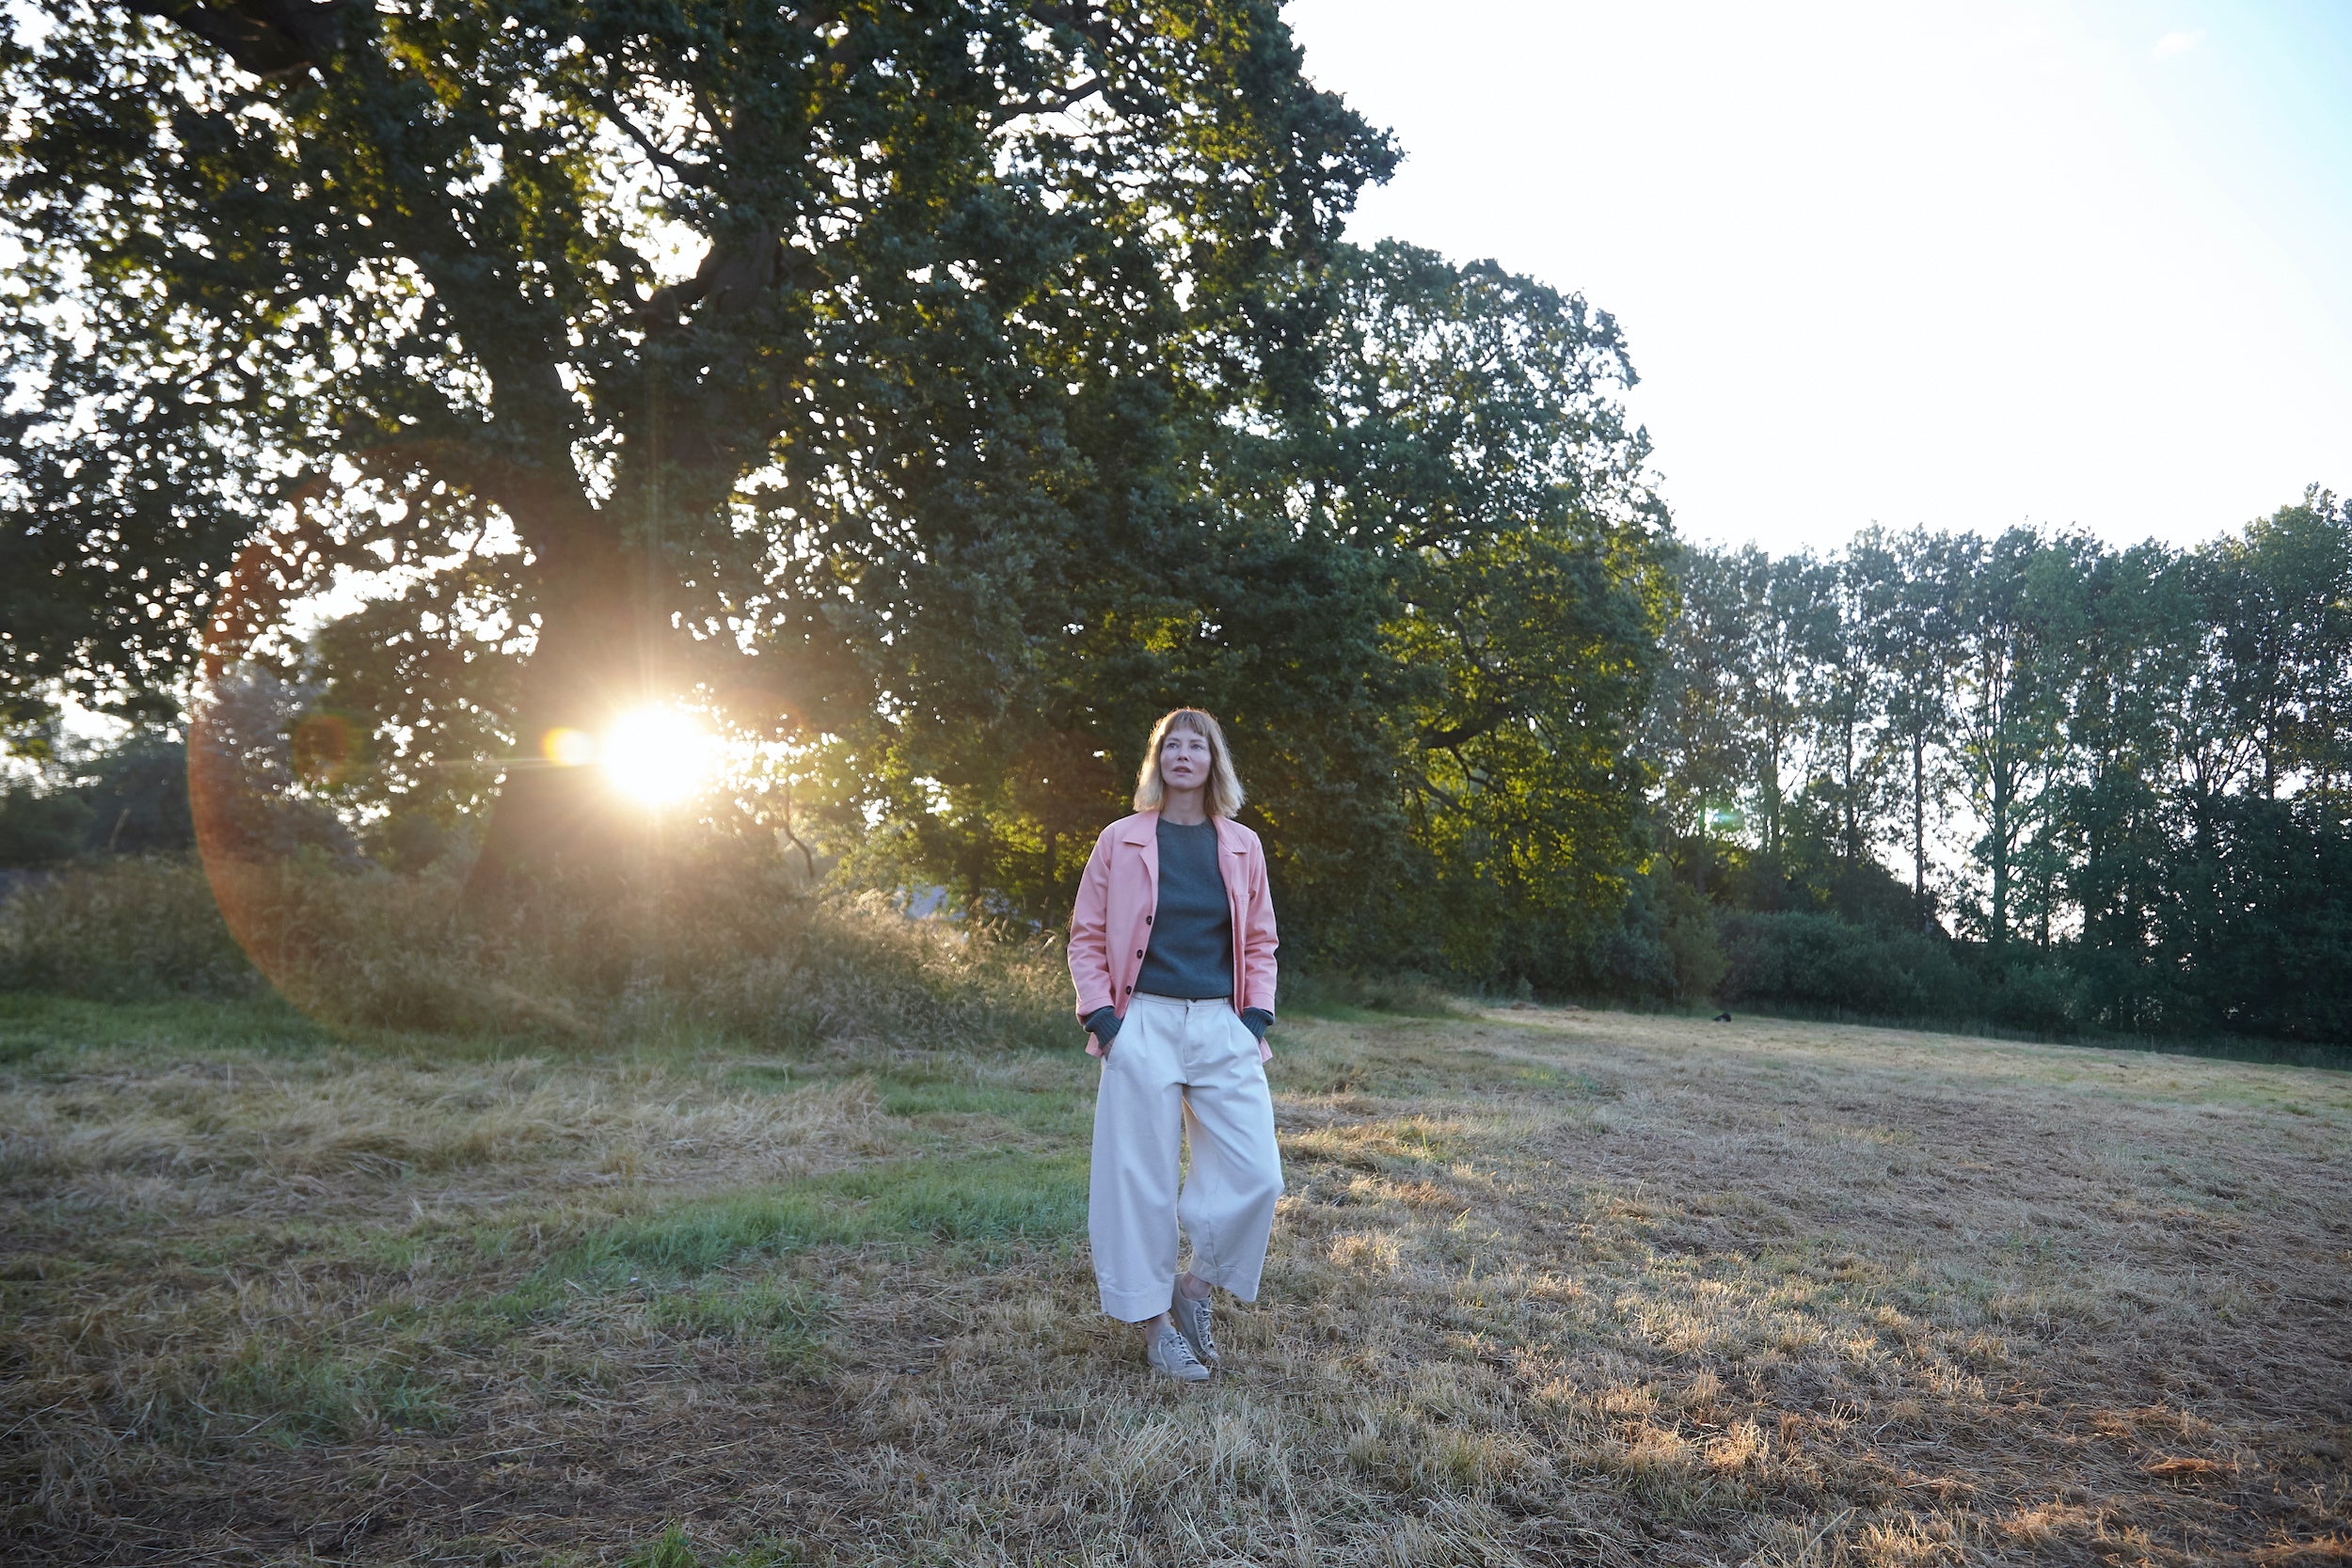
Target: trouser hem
column 1233, row 1282
column 1138, row 1306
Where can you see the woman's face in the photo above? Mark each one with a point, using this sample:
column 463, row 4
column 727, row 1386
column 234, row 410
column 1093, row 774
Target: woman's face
column 1185, row 759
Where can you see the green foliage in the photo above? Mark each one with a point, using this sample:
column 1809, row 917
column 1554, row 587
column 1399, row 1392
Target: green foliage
column 973, row 281
column 130, row 796
column 2145, row 748
column 1819, row 962
column 1024, row 391
column 1423, row 594
column 42, row 828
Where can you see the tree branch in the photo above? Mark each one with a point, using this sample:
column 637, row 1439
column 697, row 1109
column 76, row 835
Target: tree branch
column 1020, row 106
column 610, row 103
column 268, row 39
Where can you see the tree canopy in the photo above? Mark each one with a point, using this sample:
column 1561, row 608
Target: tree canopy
column 944, row 389
column 827, row 333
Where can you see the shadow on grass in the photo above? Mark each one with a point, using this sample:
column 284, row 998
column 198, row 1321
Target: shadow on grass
column 2219, row 1048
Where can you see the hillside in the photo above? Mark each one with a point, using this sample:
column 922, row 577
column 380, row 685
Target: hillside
column 1550, row 1286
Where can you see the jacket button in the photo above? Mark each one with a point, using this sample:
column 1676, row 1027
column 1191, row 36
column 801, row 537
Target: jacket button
column 1147, row 920
column 1139, row 952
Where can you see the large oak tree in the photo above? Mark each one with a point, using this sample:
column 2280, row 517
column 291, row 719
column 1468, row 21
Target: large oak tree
column 810, row 358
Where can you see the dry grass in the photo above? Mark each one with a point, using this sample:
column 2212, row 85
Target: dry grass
column 1550, row 1287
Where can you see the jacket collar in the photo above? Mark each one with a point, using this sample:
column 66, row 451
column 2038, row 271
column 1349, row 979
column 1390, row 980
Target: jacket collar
column 1142, row 829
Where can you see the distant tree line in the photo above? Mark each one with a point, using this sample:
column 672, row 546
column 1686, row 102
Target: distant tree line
column 2118, row 775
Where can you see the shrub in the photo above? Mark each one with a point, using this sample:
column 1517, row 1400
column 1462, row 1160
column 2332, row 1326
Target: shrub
column 122, row 930
column 1819, row 962
column 41, row 828
column 732, row 946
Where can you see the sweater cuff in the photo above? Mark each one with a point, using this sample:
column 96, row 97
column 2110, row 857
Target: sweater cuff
column 1256, row 1020
column 1103, row 1024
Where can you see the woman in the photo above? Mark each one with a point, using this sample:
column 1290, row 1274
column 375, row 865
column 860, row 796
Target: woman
column 1171, row 946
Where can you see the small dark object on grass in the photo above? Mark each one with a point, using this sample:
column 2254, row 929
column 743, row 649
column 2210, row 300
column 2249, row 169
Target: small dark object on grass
column 1722, row 1018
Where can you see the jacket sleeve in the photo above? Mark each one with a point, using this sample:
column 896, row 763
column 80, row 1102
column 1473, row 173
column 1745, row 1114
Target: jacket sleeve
column 1257, row 958
column 1089, row 923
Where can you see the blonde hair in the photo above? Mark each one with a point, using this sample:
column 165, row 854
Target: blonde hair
column 1224, row 791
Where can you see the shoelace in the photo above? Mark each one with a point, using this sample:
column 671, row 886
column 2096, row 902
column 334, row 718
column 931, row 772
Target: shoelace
column 1174, row 1349
column 1201, row 1322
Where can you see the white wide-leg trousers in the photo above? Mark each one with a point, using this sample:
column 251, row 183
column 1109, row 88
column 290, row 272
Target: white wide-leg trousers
column 1181, row 1068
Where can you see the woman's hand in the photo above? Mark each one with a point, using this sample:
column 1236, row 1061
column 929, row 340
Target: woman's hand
column 1103, row 1024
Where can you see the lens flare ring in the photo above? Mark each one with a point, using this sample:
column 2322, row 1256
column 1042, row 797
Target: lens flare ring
column 567, row 747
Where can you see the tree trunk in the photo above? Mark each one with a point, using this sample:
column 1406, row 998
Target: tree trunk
column 1919, row 825
column 595, row 659
column 1853, row 816
column 1998, row 936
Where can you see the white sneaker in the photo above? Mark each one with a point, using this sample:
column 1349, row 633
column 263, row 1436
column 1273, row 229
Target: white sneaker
column 1192, row 1322
column 1169, row 1354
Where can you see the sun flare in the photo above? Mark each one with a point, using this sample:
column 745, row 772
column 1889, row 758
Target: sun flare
column 659, row 755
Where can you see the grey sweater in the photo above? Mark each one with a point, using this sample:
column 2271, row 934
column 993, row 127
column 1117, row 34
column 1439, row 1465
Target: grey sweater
column 1191, row 951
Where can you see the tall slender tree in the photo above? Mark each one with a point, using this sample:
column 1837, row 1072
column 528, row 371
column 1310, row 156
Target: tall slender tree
column 1912, row 597
column 2015, row 672
column 1789, row 617
column 1847, row 703
column 1695, row 731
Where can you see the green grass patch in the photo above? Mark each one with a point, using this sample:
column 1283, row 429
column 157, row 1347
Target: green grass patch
column 291, row 1396
column 768, row 1077
column 34, row 1025
column 994, row 1198
column 1057, row 1111
column 999, row 1198
column 674, row 1548
column 783, row 1321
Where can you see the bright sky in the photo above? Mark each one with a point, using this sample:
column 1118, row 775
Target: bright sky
column 1965, row 265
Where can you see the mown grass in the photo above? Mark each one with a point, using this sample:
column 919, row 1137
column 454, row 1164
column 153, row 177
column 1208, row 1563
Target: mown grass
column 1549, row 1286
column 1006, row 1197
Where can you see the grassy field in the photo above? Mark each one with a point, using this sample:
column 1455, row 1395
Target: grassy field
column 1550, row 1286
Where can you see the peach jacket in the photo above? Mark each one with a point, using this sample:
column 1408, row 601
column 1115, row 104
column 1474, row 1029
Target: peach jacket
column 1111, row 927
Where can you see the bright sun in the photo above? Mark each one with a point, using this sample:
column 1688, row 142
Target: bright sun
column 659, row 755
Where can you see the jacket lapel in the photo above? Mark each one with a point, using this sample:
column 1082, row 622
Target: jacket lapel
column 1233, row 864
column 1230, row 860
column 1145, row 831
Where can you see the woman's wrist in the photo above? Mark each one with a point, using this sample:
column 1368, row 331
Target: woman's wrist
column 1103, row 1024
